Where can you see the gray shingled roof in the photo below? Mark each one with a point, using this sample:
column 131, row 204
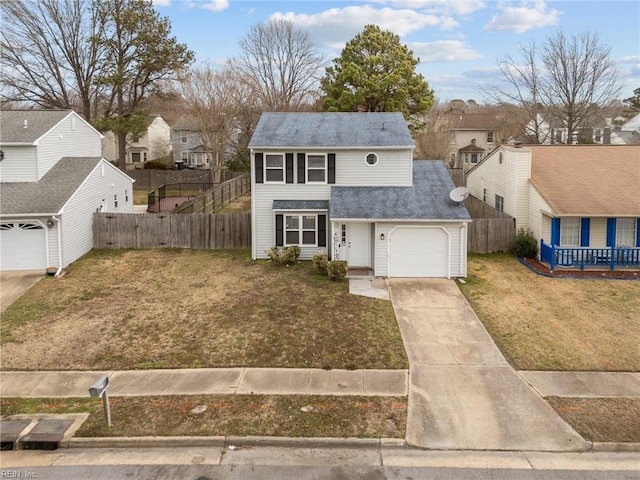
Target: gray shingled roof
column 51, row 192
column 337, row 130
column 427, row 199
column 301, row 204
column 39, row 122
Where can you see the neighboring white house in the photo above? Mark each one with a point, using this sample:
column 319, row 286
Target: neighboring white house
column 473, row 136
column 628, row 133
column 155, row 144
column 52, row 179
column 347, row 184
column 567, row 195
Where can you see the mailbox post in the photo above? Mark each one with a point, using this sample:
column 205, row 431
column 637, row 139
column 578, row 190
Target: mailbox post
column 100, row 389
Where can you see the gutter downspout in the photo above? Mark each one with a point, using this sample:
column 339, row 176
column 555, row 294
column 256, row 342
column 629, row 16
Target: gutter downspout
column 57, row 220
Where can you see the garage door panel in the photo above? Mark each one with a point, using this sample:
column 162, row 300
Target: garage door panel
column 22, row 246
column 418, row 252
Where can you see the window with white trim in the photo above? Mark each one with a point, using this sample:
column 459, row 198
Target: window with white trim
column 625, row 232
column 301, row 229
column 489, row 137
column 499, row 203
column 570, row 232
column 274, row 167
column 184, row 136
column 316, row 168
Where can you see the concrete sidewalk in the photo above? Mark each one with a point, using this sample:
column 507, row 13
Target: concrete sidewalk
column 584, row 384
column 462, row 393
column 266, row 381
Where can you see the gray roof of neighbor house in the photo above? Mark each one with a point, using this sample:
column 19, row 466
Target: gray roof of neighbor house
column 51, row 192
column 474, row 121
column 427, row 199
column 185, row 122
column 331, row 130
column 38, row 122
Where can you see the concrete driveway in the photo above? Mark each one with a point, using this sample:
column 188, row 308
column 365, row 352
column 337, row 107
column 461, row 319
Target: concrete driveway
column 462, row 392
column 14, row 284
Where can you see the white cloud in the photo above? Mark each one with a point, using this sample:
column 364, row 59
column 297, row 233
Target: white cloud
column 447, row 7
column 523, row 18
column 333, row 27
column 161, row 3
column 443, row 51
column 215, row 5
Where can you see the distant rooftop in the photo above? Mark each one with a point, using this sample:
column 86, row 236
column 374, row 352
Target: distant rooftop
column 24, row 126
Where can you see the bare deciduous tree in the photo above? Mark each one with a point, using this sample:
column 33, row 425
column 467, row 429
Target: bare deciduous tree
column 568, row 77
column 47, row 54
column 280, row 64
column 434, row 139
column 223, row 108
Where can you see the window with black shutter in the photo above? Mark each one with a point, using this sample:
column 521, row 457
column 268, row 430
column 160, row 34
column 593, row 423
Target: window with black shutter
column 259, row 168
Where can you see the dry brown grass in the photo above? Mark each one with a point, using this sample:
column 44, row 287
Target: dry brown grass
column 229, row 415
column 601, row 419
column 544, row 323
column 240, row 205
column 137, row 309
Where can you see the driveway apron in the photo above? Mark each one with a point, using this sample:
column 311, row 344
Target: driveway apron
column 462, row 392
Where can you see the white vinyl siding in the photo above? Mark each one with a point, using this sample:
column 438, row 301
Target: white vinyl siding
column 394, row 167
column 77, row 219
column 63, row 141
column 19, row 164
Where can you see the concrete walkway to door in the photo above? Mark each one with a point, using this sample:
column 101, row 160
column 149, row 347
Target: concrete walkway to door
column 462, row 393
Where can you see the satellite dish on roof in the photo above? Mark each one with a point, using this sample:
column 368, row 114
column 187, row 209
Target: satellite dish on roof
column 459, row 194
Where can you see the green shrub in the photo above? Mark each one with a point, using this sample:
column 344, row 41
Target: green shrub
column 525, row 244
column 157, row 165
column 284, row 256
column 337, row 269
column 320, row 261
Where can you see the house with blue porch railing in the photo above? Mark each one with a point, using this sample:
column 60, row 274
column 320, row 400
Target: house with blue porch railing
column 581, row 202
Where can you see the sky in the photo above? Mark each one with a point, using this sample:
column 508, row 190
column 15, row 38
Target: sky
column 458, row 42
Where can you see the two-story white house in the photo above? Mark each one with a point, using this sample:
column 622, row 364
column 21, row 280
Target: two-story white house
column 473, row 136
column 189, row 147
column 347, row 184
column 52, row 179
column 154, row 144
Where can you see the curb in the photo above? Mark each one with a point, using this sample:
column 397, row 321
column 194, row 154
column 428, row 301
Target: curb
column 225, row 442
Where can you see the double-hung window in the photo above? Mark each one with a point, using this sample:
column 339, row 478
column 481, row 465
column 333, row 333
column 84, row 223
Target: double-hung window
column 499, row 203
column 316, row 169
column 301, row 229
column 274, row 167
column 183, row 136
column 625, row 232
column 570, row 232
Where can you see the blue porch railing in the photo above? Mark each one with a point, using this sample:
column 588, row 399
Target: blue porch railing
column 586, row 256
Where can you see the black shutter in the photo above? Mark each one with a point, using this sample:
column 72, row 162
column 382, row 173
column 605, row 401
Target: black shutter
column 279, row 230
column 259, row 168
column 289, row 165
column 331, row 174
column 322, row 230
column 301, row 168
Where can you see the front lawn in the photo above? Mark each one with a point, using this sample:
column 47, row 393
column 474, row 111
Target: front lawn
column 139, row 309
column 228, row 415
column 543, row 323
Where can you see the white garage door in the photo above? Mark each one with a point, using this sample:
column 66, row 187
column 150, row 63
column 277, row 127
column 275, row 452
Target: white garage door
column 418, row 252
column 22, row 246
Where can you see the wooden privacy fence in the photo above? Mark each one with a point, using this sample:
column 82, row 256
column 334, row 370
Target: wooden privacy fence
column 217, row 197
column 196, row 231
column 491, row 230
column 490, row 235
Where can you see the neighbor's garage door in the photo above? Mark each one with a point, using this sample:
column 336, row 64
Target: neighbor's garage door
column 418, row 252
column 22, row 246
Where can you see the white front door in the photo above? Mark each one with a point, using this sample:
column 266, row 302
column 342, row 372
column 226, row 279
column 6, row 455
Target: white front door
column 358, row 244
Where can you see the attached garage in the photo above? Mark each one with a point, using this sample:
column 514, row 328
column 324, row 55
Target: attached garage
column 23, row 245
column 418, row 252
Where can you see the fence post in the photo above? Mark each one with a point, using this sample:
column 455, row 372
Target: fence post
column 553, row 257
column 613, row 260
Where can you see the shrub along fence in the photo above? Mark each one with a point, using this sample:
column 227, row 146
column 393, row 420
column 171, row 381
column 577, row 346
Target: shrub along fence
column 195, row 231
